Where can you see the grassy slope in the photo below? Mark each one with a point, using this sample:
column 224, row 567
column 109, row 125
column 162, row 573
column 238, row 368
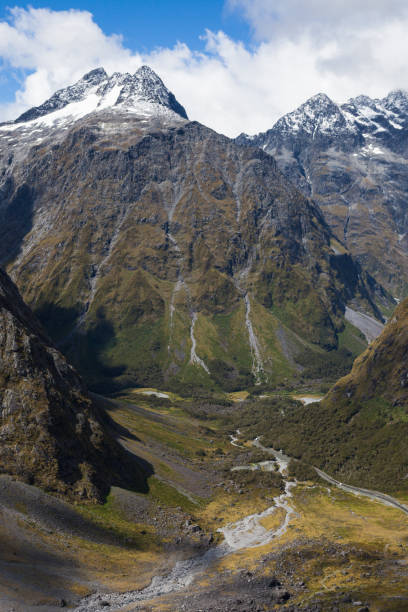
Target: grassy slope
column 123, row 339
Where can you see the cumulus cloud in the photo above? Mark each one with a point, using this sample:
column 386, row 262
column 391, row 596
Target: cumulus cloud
column 300, row 47
column 321, row 18
column 56, row 48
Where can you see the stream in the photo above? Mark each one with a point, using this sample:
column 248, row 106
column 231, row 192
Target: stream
column 257, row 366
column 245, row 533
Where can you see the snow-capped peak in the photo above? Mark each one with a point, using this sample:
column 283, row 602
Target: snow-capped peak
column 360, row 119
column 142, row 92
column 317, row 115
column 95, row 76
column 378, row 116
column 397, row 101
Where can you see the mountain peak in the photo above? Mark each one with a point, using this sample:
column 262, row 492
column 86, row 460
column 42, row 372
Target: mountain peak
column 362, row 101
column 318, row 115
column 146, row 86
column 321, row 99
column 95, row 75
column 146, row 71
column 319, row 104
column 142, row 92
column 398, row 94
column 397, row 100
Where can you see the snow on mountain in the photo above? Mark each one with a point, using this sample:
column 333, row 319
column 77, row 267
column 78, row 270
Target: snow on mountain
column 318, row 114
column 352, row 159
column 353, row 124
column 143, row 93
column 360, row 117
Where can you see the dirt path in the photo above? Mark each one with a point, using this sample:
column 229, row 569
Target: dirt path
column 375, row 495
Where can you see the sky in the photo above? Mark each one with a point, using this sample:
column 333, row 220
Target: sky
column 235, row 65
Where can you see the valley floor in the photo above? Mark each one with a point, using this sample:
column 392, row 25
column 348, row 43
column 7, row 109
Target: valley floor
column 322, row 548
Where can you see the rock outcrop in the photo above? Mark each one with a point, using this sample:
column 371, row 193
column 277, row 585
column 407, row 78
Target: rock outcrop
column 51, row 434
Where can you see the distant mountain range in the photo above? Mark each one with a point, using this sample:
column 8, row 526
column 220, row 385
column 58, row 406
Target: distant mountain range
column 352, row 160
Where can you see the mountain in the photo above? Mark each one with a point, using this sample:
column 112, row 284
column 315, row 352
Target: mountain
column 381, row 372
column 96, row 91
column 352, row 159
column 155, row 250
column 359, row 431
column 51, row 434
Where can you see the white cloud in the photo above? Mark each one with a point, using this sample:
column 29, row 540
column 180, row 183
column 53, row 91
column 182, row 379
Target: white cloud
column 341, row 47
column 324, row 19
column 56, row 48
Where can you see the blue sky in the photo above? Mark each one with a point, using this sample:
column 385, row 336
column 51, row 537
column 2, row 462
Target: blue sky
column 147, row 24
column 143, row 25
column 235, row 65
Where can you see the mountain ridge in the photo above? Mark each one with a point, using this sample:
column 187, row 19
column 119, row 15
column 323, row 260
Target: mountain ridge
column 143, row 91
column 352, row 159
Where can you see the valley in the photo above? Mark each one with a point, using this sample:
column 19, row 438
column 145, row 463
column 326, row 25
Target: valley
column 221, row 538
column 203, row 383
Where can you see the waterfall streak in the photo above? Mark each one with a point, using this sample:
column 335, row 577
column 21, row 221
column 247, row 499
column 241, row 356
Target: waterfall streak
column 194, row 358
column 257, row 365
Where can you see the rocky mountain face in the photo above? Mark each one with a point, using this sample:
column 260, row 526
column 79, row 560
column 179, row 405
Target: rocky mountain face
column 352, row 159
column 154, row 249
column 51, row 434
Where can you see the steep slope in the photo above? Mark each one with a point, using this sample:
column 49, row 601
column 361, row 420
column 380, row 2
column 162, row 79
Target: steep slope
column 382, row 370
column 352, row 159
column 50, row 433
column 359, row 431
column 154, row 249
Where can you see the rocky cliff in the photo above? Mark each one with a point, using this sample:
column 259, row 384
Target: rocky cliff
column 51, row 434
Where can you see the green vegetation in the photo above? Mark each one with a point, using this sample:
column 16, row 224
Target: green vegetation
column 356, row 443
column 267, row 481
column 352, row 339
column 329, row 366
column 360, row 444
column 165, row 494
column 111, row 518
column 302, row 471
